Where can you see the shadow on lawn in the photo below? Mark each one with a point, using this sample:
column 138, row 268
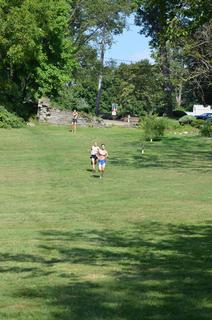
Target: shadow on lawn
column 151, row 272
column 185, row 152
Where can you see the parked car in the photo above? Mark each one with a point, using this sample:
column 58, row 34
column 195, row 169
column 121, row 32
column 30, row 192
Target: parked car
column 204, row 116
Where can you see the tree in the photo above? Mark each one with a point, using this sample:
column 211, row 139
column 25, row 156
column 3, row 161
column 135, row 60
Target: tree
column 96, row 22
column 80, row 93
column 153, row 17
column 136, row 88
column 172, row 25
column 35, row 49
column 201, row 62
column 88, row 18
column 190, row 39
column 140, row 89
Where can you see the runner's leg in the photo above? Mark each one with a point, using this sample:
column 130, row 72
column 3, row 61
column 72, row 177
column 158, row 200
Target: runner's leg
column 93, row 161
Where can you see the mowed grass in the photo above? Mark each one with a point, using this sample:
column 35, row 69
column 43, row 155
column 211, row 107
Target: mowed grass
column 134, row 245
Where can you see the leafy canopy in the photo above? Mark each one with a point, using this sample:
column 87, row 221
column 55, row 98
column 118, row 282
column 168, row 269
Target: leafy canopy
column 35, row 48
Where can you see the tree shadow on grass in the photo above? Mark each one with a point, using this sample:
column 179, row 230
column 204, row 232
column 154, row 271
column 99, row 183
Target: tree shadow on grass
column 151, row 271
column 185, row 152
column 31, row 267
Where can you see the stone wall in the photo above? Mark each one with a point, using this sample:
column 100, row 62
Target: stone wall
column 46, row 113
column 58, row 117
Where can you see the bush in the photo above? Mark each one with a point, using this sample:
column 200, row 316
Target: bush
column 9, row 120
column 177, row 113
column 197, row 123
column 171, row 124
column 186, row 119
column 154, row 127
column 206, row 129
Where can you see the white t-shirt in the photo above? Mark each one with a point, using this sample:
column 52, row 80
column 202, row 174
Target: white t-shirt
column 94, row 150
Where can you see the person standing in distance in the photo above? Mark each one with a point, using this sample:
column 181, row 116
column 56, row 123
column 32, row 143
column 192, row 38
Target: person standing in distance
column 102, row 156
column 93, row 157
column 74, row 121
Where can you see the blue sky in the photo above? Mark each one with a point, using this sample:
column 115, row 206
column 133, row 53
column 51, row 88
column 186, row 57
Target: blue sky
column 129, row 46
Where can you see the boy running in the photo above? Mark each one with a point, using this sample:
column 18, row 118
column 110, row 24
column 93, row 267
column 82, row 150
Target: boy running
column 102, row 156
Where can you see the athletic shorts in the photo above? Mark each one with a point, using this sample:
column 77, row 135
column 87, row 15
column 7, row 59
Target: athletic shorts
column 102, row 162
column 93, row 156
column 74, row 121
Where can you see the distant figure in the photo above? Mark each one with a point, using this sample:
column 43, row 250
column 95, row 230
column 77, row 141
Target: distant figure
column 128, row 118
column 93, row 157
column 74, row 121
column 102, row 156
column 114, row 112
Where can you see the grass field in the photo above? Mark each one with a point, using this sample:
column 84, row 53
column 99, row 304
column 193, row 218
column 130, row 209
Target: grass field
column 134, row 245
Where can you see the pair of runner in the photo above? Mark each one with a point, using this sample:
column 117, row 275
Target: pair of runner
column 99, row 154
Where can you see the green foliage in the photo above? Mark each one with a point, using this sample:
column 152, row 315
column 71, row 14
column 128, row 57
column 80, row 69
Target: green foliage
column 68, row 99
column 153, row 18
column 153, row 127
column 91, row 17
column 186, row 119
column 171, row 124
column 97, row 22
column 136, row 88
column 178, row 113
column 81, row 93
column 51, row 48
column 180, row 33
column 173, row 127
column 206, row 129
column 78, row 97
column 36, row 50
column 9, row 120
column 197, row 123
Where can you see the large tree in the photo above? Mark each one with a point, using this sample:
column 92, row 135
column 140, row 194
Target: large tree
column 190, row 38
column 96, row 22
column 139, row 88
column 35, row 49
column 153, row 16
column 172, row 25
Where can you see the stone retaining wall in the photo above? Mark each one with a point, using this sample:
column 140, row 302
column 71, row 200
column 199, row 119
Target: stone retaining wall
column 51, row 115
column 47, row 114
column 61, row 117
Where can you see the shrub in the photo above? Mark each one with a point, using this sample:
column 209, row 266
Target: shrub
column 208, row 121
column 171, row 124
column 186, row 119
column 177, row 113
column 9, row 120
column 154, row 127
column 206, row 129
column 197, row 123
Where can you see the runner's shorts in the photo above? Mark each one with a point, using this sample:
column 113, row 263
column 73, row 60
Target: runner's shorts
column 102, row 162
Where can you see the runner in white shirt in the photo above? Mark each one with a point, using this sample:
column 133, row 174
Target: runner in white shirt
column 93, row 157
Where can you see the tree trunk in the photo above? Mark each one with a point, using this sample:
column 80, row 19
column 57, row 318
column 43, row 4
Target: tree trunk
column 99, row 94
column 167, row 84
column 179, row 95
column 102, row 56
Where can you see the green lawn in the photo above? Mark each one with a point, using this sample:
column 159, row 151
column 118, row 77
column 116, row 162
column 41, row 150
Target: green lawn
column 134, row 245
